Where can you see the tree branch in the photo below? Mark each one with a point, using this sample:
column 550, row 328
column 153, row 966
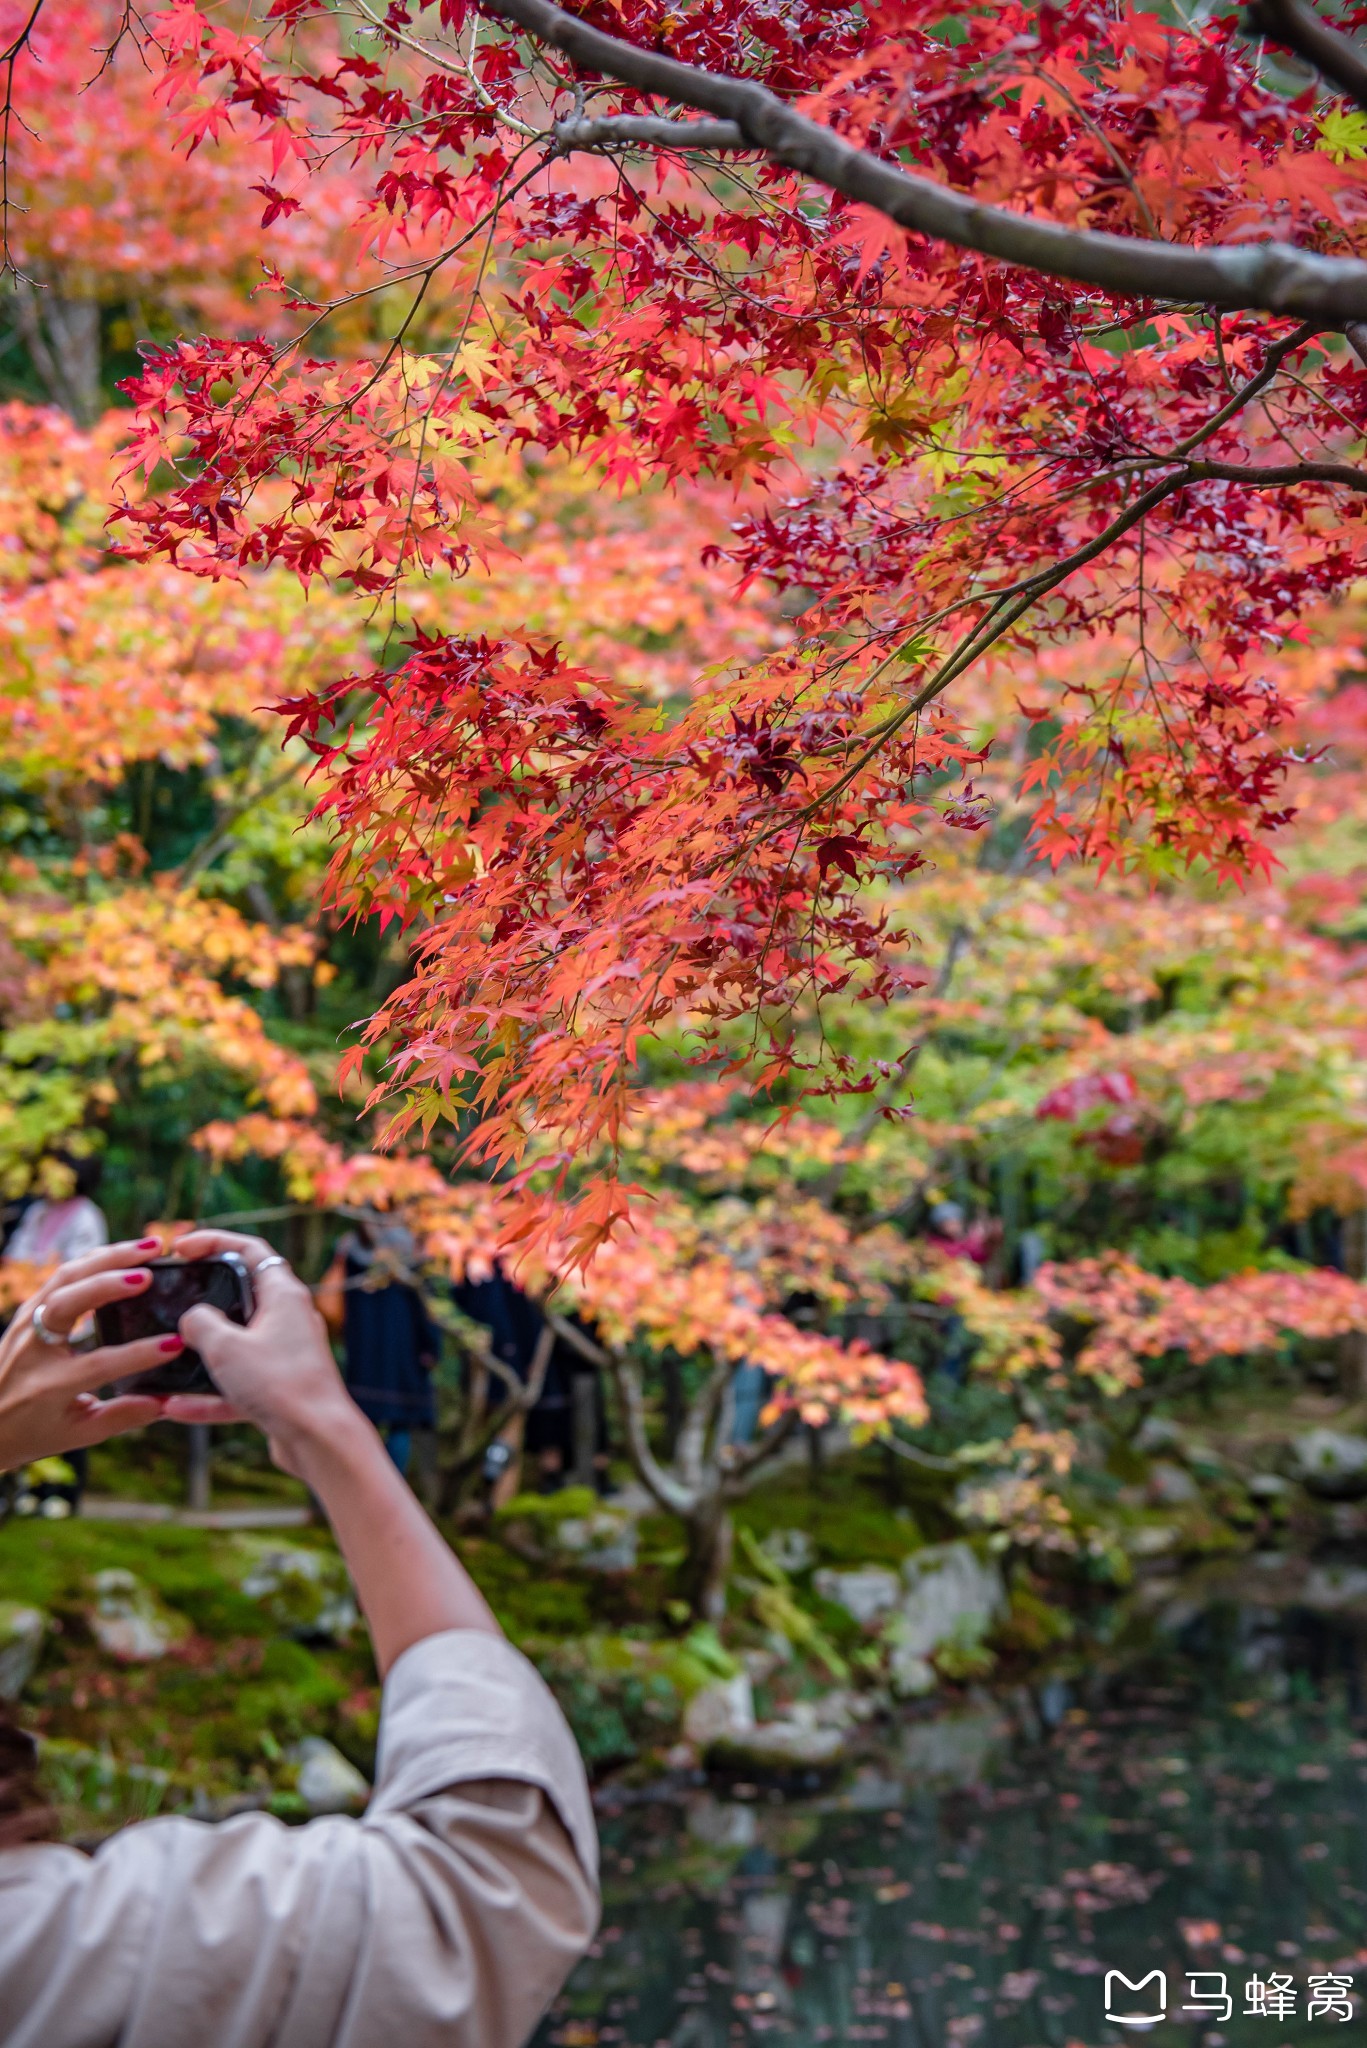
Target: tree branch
column 691, row 1448
column 1298, row 28
column 743, row 1460
column 9, row 57
column 1263, row 476
column 1273, row 277
column 634, row 131
column 671, row 1494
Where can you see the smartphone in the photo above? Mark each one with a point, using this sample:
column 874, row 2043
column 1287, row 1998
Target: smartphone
column 177, row 1284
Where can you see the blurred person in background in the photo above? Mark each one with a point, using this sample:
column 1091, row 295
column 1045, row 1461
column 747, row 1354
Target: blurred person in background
column 63, row 1227
column 390, row 1343
column 48, row 1230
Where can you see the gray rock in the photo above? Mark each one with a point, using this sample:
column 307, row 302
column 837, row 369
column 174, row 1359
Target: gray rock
column 910, row 1674
column 867, row 1594
column 605, row 1541
column 840, row 1708
column 22, row 1630
column 1331, row 1463
column 791, row 1550
column 1267, row 1486
column 306, row 1592
column 724, row 1709
column 796, row 1743
column 1157, row 1433
column 1151, row 1539
column 1172, row 1487
column 952, row 1595
column 324, row 1779
column 130, row 1621
column 1331, row 1587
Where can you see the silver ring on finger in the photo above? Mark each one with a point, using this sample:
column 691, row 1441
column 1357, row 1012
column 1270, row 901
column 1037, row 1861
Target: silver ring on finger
column 275, row 1259
column 42, row 1332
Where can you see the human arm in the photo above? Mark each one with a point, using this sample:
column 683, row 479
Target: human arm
column 447, row 1918
column 279, row 1372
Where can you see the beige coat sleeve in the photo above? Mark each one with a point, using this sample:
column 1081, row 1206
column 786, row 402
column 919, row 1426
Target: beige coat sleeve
column 450, row 1914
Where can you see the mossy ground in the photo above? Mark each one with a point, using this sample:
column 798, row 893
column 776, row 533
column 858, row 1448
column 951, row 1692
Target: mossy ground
column 217, row 1711
column 213, row 1717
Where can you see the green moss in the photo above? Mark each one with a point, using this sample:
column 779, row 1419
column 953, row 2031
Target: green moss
column 567, row 1505
column 618, row 1694
column 528, row 1600
column 1033, row 1624
column 92, row 1791
column 849, row 1518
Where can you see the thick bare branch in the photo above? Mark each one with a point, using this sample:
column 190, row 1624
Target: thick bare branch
column 690, row 1452
column 744, row 1460
column 1273, row 277
column 633, row 131
column 670, row 1492
column 1298, row 28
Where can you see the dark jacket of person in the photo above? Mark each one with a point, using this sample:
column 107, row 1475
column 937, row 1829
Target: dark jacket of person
column 391, row 1341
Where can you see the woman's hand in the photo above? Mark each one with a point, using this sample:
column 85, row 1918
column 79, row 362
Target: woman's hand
column 278, row 1371
column 48, row 1398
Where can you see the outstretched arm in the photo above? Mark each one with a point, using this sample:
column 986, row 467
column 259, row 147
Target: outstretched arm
column 279, row 1373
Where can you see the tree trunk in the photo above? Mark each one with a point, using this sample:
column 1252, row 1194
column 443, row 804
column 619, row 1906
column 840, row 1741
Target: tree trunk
column 710, row 1537
column 199, row 1457
column 1353, row 1347
column 63, row 340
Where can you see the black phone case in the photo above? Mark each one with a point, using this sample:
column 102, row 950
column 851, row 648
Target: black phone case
column 177, row 1284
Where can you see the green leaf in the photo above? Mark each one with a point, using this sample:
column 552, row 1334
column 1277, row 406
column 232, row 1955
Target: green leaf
column 1343, row 135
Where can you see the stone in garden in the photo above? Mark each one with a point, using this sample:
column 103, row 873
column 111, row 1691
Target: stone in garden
column 306, row 1592
column 791, row 1550
column 1267, row 1486
column 1333, row 1586
column 867, row 1594
column 1157, row 1433
column 601, row 1542
column 952, row 1596
column 910, row 1674
column 22, row 1630
column 130, row 1621
column 1172, row 1487
column 724, row 1709
column 842, row 1708
column 798, row 1742
column 324, row 1779
column 1331, row 1463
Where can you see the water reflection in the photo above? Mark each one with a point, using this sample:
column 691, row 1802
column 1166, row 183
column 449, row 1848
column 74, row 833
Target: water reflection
column 971, row 1889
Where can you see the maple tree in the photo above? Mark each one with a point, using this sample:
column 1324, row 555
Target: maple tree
column 708, row 587
column 1121, row 451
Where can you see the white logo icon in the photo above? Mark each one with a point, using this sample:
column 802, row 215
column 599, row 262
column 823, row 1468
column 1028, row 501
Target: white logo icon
column 1150, row 2008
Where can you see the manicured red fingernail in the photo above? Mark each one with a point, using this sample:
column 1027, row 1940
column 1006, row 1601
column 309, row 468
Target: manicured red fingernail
column 149, row 1244
column 171, row 1344
column 135, row 1279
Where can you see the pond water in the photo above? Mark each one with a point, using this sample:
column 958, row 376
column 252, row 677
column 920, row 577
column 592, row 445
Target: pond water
column 976, row 1881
